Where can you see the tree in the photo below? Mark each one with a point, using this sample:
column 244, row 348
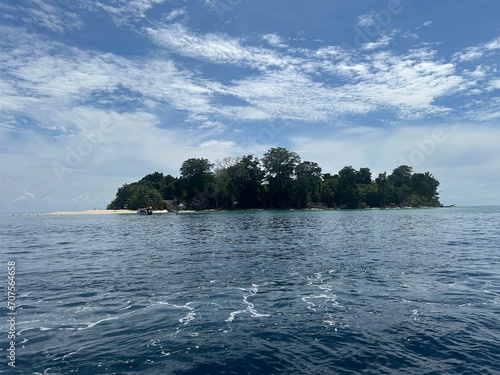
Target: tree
column 248, row 182
column 226, row 174
column 384, row 192
column 401, row 176
column 279, row 166
column 278, row 180
column 308, row 183
column 123, row 195
column 348, row 192
column 367, row 194
column 136, row 195
column 364, row 176
column 170, row 189
column 195, row 178
column 424, row 188
column 145, row 196
column 329, row 190
column 155, row 180
column 400, row 182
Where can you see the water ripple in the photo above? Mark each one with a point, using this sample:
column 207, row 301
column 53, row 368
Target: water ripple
column 403, row 291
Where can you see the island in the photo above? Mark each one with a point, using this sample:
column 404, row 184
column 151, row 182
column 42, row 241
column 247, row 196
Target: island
column 278, row 180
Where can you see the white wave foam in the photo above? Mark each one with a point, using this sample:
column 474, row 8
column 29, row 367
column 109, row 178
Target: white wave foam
column 191, row 315
column 88, row 325
column 318, row 281
column 69, row 354
column 250, row 308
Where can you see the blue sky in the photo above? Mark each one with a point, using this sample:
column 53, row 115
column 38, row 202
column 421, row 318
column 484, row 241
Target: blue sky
column 95, row 94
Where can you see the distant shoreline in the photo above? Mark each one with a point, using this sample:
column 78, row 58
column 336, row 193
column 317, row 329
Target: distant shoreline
column 128, row 212
column 99, row 212
column 155, row 212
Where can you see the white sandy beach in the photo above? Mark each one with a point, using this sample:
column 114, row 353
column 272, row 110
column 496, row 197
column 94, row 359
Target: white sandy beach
column 100, row 212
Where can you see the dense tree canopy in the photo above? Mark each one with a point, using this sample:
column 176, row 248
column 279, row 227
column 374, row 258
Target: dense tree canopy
column 279, row 180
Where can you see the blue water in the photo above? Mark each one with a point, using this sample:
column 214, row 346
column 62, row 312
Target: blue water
column 298, row 292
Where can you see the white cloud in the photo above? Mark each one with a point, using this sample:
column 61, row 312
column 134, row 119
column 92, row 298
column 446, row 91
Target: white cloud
column 43, row 84
column 495, row 83
column 212, row 125
column 42, row 14
column 382, row 42
column 410, row 35
column 124, row 12
column 275, row 40
column 25, row 196
column 472, row 53
column 214, row 48
column 425, row 24
column 476, row 52
column 493, row 44
column 367, row 19
column 217, row 143
column 303, row 85
column 382, row 80
column 81, row 198
column 408, row 83
column 176, row 13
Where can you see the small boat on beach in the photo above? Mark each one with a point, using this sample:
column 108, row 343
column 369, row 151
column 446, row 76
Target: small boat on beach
column 145, row 211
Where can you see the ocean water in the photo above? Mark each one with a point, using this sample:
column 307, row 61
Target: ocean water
column 295, row 292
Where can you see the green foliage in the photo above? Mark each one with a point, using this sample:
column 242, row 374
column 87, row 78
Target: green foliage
column 278, row 180
column 308, row 183
column 145, row 196
column 248, row 182
column 123, row 195
column 195, row 179
column 329, row 189
column 279, row 167
column 136, row 195
column 347, row 189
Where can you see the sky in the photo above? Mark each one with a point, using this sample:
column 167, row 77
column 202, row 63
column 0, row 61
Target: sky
column 96, row 94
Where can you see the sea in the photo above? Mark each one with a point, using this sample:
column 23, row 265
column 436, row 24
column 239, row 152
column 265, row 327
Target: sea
column 408, row 291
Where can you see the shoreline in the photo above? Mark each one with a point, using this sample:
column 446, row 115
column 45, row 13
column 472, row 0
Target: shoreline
column 100, row 212
column 130, row 212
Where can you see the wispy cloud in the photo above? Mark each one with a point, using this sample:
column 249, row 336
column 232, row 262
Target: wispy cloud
column 476, row 52
column 25, row 196
column 217, row 143
column 367, row 19
column 174, row 14
column 42, row 14
column 214, row 48
column 381, row 43
column 277, row 85
column 123, row 12
column 425, row 24
column 275, row 40
column 44, row 83
column 410, row 83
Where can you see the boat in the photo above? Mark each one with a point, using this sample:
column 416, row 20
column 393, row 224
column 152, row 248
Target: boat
column 145, row 211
